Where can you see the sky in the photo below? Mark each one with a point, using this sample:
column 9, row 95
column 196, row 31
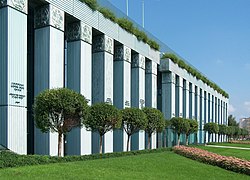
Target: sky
column 212, row 35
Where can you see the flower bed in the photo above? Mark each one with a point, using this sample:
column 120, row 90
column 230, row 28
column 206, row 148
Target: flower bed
column 226, row 162
column 239, row 142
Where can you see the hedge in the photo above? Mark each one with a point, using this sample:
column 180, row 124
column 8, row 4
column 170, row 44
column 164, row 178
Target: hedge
column 226, row 162
column 10, row 159
column 182, row 64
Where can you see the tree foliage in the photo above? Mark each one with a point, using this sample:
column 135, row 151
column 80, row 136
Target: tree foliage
column 103, row 118
column 191, row 126
column 155, row 122
column 179, row 126
column 133, row 120
column 232, row 121
column 211, row 128
column 59, row 110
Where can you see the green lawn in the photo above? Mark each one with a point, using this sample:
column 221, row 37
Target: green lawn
column 232, row 144
column 240, row 153
column 164, row 165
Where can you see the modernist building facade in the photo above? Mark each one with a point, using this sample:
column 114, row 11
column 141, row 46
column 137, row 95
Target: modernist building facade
column 55, row 43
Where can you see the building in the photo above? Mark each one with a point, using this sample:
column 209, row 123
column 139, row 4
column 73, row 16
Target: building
column 54, row 43
column 245, row 123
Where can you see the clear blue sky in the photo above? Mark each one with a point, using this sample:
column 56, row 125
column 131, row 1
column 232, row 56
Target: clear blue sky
column 212, row 35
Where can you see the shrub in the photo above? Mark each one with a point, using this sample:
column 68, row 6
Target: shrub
column 226, row 162
column 108, row 14
column 141, row 36
column 153, row 44
column 9, row 159
column 91, row 3
column 126, row 24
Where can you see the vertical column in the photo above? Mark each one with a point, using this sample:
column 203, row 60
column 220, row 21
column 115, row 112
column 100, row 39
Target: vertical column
column 219, row 117
column 138, row 96
column 151, row 93
column 122, row 90
column 102, row 83
column 13, row 75
column 192, row 109
column 179, row 97
column 186, row 97
column 205, row 115
column 168, row 101
column 197, row 111
column 215, row 116
column 49, row 65
column 79, row 57
column 209, row 113
column 201, row 124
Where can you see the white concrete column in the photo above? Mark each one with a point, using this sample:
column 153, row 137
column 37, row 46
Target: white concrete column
column 151, row 93
column 79, row 78
column 49, row 65
column 168, row 97
column 138, row 96
column 102, row 83
column 13, row 75
column 216, row 115
column 201, row 125
column 122, row 90
column 206, row 107
column 179, row 97
column 213, row 115
column 192, row 103
column 186, row 102
column 197, row 111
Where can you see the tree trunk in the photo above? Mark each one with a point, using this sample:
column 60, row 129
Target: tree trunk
column 187, row 139
column 100, row 150
column 178, row 143
column 128, row 142
column 209, row 135
column 59, row 144
column 165, row 137
column 149, row 141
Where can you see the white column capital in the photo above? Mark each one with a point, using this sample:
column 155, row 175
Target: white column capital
column 20, row 5
column 103, row 43
column 151, row 67
column 122, row 53
column 79, row 31
column 138, row 61
column 49, row 15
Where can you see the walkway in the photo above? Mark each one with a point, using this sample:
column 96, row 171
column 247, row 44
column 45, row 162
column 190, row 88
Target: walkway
column 229, row 147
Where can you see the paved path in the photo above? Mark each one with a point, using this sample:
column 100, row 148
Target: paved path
column 229, row 147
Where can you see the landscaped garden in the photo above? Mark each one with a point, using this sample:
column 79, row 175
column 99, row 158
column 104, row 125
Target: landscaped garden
column 161, row 165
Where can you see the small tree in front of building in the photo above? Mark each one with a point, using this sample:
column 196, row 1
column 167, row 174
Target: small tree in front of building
column 103, row 117
column 191, row 126
column 155, row 122
column 211, row 128
column 178, row 125
column 133, row 120
column 59, row 110
column 222, row 130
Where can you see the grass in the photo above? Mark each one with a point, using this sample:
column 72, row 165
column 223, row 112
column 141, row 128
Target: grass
column 239, row 153
column 232, row 144
column 163, row 165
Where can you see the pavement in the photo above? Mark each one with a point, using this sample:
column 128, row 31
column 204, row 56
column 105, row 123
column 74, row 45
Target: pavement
column 228, row 147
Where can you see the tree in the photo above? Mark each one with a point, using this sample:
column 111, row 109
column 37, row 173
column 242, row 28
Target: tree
column 232, row 121
column 59, row 110
column 222, row 130
column 211, row 128
column 230, row 131
column 167, row 124
column 191, row 126
column 133, row 120
column 103, row 118
column 155, row 122
column 178, row 126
